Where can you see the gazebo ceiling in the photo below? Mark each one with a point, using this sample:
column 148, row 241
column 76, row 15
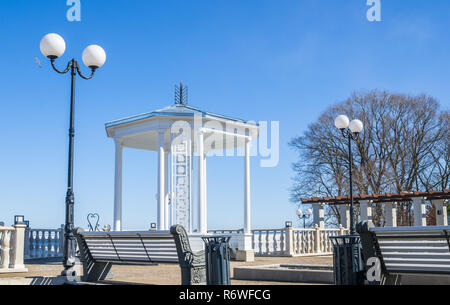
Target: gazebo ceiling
column 141, row 131
column 388, row 197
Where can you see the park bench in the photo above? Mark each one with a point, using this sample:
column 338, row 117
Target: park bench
column 99, row 250
column 422, row 253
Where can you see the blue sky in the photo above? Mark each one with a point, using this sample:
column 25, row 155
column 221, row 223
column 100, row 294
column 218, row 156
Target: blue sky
column 258, row 60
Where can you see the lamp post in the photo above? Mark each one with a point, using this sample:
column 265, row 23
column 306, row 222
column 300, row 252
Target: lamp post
column 347, row 257
column 305, row 215
column 53, row 46
column 350, row 131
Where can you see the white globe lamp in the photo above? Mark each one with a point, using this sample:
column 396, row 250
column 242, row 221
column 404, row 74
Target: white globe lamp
column 94, row 56
column 356, row 126
column 52, row 46
column 341, row 122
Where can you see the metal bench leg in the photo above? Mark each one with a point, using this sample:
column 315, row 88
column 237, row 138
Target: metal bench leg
column 391, row 279
column 191, row 275
column 96, row 271
column 92, row 270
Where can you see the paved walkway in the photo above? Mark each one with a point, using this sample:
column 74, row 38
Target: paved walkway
column 167, row 274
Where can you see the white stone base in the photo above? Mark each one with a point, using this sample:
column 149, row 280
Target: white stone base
column 245, row 255
column 14, row 270
column 245, row 242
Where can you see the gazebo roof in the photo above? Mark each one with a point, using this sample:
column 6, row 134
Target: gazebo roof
column 141, row 131
column 177, row 110
column 388, row 197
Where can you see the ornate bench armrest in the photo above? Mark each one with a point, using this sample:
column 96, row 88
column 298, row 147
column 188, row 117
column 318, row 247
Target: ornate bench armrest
column 192, row 264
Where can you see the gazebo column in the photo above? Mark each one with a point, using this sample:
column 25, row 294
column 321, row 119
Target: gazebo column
column 390, row 214
column 344, row 213
column 245, row 249
column 201, row 186
column 205, row 183
column 365, row 210
column 420, row 217
column 117, row 225
column 247, row 220
column 441, row 212
column 161, row 182
column 319, row 215
column 166, row 190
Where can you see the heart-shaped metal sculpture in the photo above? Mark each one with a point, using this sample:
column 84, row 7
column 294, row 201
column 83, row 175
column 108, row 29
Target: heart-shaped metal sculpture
column 96, row 217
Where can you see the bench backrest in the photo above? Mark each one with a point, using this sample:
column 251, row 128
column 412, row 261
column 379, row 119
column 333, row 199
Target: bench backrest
column 131, row 246
column 424, row 250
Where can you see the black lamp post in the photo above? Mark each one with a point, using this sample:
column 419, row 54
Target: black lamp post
column 347, row 257
column 53, row 46
column 305, row 215
column 350, row 131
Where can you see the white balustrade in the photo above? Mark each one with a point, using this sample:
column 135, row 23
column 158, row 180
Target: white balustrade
column 44, row 243
column 12, row 240
column 287, row 241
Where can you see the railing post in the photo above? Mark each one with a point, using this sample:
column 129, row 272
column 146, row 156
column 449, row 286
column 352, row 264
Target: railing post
column 19, row 245
column 289, row 241
column 316, row 239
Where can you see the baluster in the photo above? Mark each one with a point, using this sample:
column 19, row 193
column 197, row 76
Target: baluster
column 56, row 242
column 329, row 241
column 297, row 248
column 282, row 243
column 5, row 249
column 260, row 242
column 274, row 242
column 253, row 241
column 46, row 243
column 39, row 243
column 32, row 243
column 309, row 248
column 302, row 241
column 61, row 241
column 267, row 243
column 51, row 240
column 36, row 243
column 323, row 237
column 305, row 241
column 313, row 241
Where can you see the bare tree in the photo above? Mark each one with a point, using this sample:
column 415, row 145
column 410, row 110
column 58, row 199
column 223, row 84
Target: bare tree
column 404, row 147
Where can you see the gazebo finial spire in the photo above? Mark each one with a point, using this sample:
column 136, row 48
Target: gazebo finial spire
column 181, row 94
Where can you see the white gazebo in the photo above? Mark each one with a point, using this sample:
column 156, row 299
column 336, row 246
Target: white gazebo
column 179, row 133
